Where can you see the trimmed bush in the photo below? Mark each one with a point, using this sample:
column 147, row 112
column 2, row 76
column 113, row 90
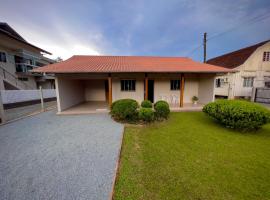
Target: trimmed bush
column 125, row 110
column 238, row 114
column 162, row 110
column 146, row 114
column 146, row 104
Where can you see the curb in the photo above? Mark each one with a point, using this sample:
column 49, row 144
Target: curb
column 116, row 170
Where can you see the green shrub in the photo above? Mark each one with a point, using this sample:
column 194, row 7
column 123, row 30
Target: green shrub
column 146, row 114
column 162, row 109
column 238, row 114
column 146, row 104
column 125, row 110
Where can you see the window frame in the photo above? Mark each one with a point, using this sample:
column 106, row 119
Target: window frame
column 174, row 86
column 5, row 56
column 248, row 82
column 129, row 88
column 266, row 56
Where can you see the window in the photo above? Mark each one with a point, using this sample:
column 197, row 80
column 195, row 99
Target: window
column 267, row 84
column 219, row 82
column 23, row 79
column 248, row 81
column 175, row 84
column 266, row 56
column 3, row 57
column 128, row 85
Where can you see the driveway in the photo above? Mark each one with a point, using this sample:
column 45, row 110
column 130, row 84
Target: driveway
column 59, row 157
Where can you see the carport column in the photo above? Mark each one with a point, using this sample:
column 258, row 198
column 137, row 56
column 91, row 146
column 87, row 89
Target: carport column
column 182, row 86
column 146, row 87
column 110, row 89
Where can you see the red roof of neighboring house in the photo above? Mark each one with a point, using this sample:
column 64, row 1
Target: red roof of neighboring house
column 111, row 64
column 235, row 58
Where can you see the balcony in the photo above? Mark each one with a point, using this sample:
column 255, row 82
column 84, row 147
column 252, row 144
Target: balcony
column 24, row 68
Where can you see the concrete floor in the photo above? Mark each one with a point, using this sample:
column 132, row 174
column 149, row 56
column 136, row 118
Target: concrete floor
column 59, row 157
column 88, row 107
column 187, row 107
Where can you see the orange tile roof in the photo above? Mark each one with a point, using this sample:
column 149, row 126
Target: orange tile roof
column 113, row 64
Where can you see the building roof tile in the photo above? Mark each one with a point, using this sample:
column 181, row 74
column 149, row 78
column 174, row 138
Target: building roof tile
column 113, row 64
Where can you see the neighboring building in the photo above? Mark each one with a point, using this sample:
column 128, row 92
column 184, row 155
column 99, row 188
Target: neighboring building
column 17, row 58
column 252, row 69
column 104, row 79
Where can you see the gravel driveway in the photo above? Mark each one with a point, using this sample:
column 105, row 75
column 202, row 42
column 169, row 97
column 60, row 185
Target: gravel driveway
column 59, row 157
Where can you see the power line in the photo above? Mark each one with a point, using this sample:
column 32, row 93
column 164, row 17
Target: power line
column 193, row 50
column 247, row 22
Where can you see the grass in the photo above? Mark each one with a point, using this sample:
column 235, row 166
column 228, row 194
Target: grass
column 190, row 157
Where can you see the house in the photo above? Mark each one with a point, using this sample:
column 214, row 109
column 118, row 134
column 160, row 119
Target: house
column 17, row 58
column 100, row 80
column 252, row 70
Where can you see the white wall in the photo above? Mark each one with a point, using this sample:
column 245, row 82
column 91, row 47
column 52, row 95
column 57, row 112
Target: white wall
column 68, row 92
column 15, row 96
column 206, row 88
column 252, row 67
column 138, row 94
column 95, row 90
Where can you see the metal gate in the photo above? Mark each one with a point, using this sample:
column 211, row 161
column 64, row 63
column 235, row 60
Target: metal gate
column 262, row 95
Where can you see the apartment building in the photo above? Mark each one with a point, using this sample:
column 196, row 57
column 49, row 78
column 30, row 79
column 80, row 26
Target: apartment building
column 17, row 58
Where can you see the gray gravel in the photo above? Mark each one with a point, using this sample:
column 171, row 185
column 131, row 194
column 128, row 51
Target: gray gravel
column 59, row 157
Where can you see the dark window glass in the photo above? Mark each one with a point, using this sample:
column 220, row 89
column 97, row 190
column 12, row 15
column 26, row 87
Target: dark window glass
column 3, row 57
column 23, row 79
column 128, row 85
column 266, row 56
column 175, row 84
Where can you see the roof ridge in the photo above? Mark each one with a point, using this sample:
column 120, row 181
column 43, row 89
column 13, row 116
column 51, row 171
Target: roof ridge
column 131, row 56
column 258, row 44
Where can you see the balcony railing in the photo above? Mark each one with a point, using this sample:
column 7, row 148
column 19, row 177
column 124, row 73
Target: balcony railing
column 24, row 67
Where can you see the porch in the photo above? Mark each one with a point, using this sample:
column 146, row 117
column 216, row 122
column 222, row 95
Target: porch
column 94, row 93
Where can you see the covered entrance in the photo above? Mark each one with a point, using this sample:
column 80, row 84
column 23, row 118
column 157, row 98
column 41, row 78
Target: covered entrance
column 82, row 95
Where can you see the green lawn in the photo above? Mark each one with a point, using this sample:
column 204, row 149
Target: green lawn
column 191, row 157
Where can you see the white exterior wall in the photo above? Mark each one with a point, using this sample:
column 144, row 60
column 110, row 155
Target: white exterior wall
column 68, row 93
column 206, row 89
column 95, row 90
column 252, row 67
column 163, row 88
column 138, row 94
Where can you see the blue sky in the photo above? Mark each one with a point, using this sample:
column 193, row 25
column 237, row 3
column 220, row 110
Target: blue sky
column 136, row 27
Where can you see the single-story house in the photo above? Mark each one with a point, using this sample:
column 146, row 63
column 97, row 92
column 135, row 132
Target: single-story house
column 97, row 81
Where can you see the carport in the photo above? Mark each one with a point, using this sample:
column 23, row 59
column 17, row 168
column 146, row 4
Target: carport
column 82, row 94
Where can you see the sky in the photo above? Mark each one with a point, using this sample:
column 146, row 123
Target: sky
column 138, row 27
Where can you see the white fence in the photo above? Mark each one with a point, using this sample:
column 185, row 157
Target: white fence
column 15, row 96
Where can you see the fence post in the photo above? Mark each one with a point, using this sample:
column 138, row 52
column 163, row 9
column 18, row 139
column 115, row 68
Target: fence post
column 2, row 111
column 41, row 99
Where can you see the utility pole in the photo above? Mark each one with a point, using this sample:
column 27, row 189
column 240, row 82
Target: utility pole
column 204, row 47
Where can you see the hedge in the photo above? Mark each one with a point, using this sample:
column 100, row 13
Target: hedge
column 146, row 104
column 238, row 114
column 162, row 110
column 146, row 114
column 125, row 110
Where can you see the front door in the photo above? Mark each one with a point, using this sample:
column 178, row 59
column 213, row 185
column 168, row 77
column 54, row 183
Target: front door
column 151, row 90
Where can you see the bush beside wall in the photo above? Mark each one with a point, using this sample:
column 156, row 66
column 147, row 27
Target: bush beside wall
column 238, row 114
column 146, row 104
column 146, row 114
column 162, row 110
column 125, row 110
